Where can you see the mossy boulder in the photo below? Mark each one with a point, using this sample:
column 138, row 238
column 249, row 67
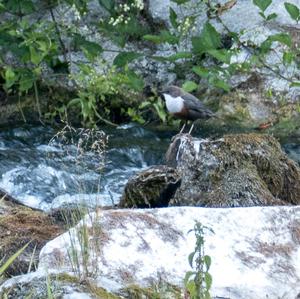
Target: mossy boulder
column 151, row 188
column 236, row 170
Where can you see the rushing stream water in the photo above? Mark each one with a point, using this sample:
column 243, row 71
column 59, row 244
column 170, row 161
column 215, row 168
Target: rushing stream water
column 45, row 176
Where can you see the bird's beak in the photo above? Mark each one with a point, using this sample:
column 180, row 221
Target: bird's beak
column 160, row 94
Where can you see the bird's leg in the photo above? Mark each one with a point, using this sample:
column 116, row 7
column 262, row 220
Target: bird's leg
column 182, row 127
column 191, row 129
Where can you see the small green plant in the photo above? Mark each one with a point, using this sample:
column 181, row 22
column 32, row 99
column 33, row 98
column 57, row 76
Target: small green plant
column 49, row 288
column 198, row 282
column 101, row 93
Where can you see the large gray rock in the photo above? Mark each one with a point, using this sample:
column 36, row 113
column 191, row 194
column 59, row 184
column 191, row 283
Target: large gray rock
column 254, row 251
column 236, row 170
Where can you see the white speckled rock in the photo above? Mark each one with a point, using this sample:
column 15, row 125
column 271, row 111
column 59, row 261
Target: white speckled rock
column 243, row 15
column 255, row 251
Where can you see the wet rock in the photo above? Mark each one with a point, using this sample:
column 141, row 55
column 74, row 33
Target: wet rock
column 13, row 110
column 151, row 188
column 254, row 251
column 237, row 170
column 234, row 171
column 20, row 225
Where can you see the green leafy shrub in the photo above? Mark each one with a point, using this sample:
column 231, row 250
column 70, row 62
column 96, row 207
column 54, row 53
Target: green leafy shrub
column 105, row 96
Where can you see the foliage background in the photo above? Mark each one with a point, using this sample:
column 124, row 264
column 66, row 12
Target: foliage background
column 89, row 57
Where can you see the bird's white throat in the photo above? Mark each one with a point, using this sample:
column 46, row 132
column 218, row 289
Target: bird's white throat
column 174, row 105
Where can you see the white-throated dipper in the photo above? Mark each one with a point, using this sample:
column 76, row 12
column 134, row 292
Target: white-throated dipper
column 185, row 106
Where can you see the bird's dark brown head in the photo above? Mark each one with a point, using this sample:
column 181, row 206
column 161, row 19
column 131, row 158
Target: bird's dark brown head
column 172, row 90
column 185, row 105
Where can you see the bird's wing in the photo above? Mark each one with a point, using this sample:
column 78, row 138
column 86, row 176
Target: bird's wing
column 197, row 106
